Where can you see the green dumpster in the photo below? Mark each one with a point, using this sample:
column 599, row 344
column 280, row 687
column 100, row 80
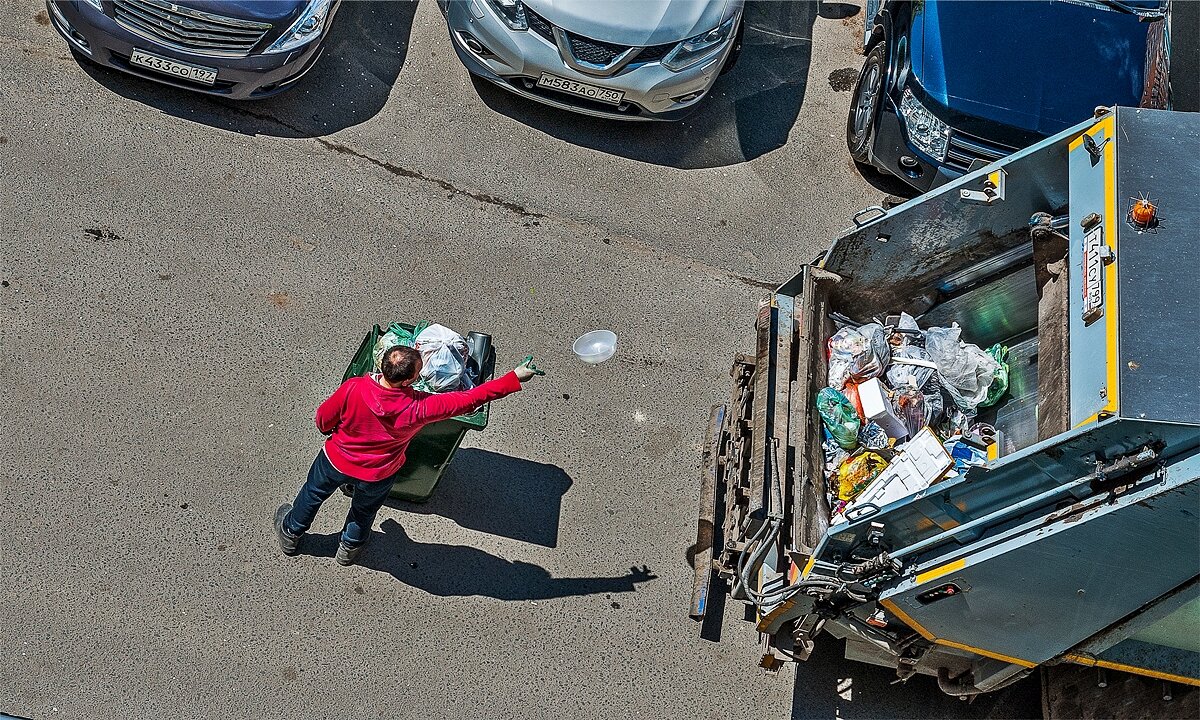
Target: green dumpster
column 433, row 447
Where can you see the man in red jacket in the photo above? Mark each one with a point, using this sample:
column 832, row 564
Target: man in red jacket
column 370, row 421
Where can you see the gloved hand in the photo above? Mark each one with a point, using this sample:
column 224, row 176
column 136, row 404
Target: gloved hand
column 526, row 370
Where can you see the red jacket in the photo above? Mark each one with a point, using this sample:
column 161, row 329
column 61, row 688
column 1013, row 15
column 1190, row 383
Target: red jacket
column 372, row 425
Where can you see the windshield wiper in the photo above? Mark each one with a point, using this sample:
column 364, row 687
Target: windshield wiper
column 1144, row 14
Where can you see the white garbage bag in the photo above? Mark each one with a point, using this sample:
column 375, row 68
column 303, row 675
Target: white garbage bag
column 965, row 370
column 444, row 354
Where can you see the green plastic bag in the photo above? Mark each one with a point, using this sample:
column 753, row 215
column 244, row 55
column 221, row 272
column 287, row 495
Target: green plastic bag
column 366, row 358
column 999, row 384
column 839, row 416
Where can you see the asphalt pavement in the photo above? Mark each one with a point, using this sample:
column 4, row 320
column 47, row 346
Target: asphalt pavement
column 185, row 279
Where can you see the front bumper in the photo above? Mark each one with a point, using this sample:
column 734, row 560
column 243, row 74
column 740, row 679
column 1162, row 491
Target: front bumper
column 518, row 58
column 99, row 38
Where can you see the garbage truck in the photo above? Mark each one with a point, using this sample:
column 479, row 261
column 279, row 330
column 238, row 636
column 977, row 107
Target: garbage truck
column 1070, row 538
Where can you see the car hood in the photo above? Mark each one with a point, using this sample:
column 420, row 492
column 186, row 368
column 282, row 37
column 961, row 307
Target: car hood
column 1039, row 66
column 276, row 12
column 633, row 22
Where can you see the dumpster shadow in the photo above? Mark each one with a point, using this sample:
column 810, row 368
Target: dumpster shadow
column 499, row 495
column 749, row 112
column 828, row 685
column 461, row 571
column 363, row 54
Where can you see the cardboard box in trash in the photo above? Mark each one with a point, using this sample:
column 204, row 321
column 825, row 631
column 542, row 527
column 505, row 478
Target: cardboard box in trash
column 918, row 463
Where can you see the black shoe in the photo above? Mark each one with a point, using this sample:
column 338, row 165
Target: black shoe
column 288, row 542
column 346, row 555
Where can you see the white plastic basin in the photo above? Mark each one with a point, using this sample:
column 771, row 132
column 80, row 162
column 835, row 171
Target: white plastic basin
column 595, row 346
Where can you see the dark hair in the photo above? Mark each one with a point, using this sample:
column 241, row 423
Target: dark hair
column 400, row 363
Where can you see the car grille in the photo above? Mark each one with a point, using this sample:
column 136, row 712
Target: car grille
column 186, row 29
column 596, row 52
column 965, row 149
column 593, row 51
column 539, row 25
column 654, row 53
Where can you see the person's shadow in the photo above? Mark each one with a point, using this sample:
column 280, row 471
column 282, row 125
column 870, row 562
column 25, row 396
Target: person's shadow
column 499, row 495
column 363, row 54
column 750, row 110
column 459, row 570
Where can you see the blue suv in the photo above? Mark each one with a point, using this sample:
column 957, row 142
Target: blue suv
column 246, row 49
column 952, row 85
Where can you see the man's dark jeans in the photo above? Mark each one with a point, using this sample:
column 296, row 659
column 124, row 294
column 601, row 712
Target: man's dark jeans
column 323, row 480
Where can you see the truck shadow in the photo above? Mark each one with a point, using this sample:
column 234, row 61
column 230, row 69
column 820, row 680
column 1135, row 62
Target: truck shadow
column 363, row 54
column 499, row 495
column 827, row 685
column 749, row 112
column 460, row 571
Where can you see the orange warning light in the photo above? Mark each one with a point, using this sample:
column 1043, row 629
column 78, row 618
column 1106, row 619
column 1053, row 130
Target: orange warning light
column 1142, row 213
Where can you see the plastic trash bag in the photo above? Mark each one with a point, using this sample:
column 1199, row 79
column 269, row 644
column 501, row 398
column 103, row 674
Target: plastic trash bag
column 857, row 355
column 839, row 417
column 965, row 370
column 964, row 455
column 999, row 384
column 911, row 368
column 857, row 472
column 873, row 437
column 872, row 362
column 958, row 421
column 834, row 456
column 444, row 354
column 851, row 393
column 844, row 345
column 906, row 332
column 934, row 404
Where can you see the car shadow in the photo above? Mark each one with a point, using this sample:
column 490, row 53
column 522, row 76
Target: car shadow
column 363, row 54
column 460, row 571
column 888, row 183
column 749, row 112
column 499, row 495
column 828, row 685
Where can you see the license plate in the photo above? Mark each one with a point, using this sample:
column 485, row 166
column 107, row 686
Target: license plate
column 195, row 73
column 591, row 92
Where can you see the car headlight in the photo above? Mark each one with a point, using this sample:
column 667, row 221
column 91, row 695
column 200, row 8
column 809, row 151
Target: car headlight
column 308, row 27
column 699, row 48
column 512, row 12
column 925, row 132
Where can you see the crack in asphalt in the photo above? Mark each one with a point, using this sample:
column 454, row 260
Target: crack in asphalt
column 394, row 169
column 446, row 185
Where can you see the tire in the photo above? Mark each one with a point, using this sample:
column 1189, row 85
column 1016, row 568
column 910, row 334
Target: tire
column 735, row 52
column 864, row 105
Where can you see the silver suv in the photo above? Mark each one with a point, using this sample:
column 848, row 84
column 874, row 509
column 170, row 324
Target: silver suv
column 629, row 59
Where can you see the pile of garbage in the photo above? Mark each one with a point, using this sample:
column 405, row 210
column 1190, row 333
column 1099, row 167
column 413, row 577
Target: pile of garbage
column 900, row 410
column 445, row 355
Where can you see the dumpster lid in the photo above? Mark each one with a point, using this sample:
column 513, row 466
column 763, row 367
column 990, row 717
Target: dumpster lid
column 906, row 258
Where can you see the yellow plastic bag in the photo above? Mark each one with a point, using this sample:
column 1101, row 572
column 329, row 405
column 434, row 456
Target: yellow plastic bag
column 857, row 472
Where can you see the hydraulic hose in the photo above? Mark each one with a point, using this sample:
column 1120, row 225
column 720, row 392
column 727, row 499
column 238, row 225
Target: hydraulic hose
column 752, row 558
